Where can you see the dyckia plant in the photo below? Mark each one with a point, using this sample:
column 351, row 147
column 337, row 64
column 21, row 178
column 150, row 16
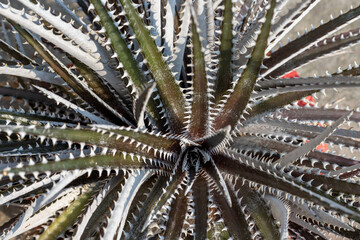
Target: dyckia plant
column 170, row 120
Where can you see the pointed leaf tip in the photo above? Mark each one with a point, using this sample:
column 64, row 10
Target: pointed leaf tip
column 307, row 147
column 141, row 103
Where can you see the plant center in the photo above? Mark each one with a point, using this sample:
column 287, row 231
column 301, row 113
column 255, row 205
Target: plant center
column 194, row 157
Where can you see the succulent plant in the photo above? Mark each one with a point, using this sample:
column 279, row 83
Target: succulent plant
column 170, row 119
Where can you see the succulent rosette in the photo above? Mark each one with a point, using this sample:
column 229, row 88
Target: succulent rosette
column 170, row 119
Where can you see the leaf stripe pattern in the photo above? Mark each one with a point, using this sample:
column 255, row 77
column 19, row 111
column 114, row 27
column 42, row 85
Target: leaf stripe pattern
column 175, row 119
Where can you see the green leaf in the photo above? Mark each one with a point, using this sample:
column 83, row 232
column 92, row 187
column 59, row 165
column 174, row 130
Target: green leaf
column 133, row 182
column 201, row 196
column 68, row 77
column 216, row 140
column 331, row 45
column 105, row 199
column 121, row 160
column 224, row 74
column 307, row 147
column 34, row 119
column 234, row 106
column 29, row 147
column 277, row 102
column 171, row 95
column 198, row 125
column 270, row 177
column 129, row 141
column 234, row 217
column 69, row 216
column 318, row 114
column 146, row 209
column 126, row 58
column 173, row 184
column 158, row 141
column 25, row 94
column 294, row 131
column 213, row 172
column 177, row 214
column 269, row 145
column 260, row 213
column 275, row 86
column 119, row 45
column 16, row 54
column 299, row 45
column 100, row 89
column 289, row 20
column 141, row 103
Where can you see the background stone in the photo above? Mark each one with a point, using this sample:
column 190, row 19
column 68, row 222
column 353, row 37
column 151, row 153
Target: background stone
column 342, row 97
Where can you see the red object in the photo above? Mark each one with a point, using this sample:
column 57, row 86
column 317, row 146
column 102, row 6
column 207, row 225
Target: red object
column 323, row 147
column 309, row 99
column 291, row 75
